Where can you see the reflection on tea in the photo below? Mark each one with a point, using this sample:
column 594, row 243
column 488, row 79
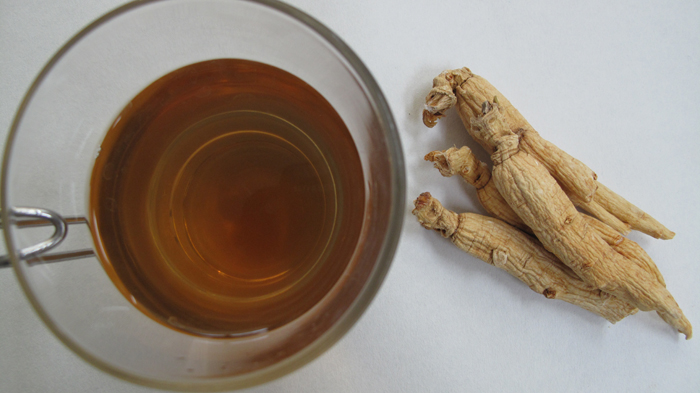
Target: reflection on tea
column 227, row 198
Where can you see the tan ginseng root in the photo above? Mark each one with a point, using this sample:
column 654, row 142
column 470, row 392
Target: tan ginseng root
column 468, row 91
column 537, row 198
column 507, row 248
column 464, row 163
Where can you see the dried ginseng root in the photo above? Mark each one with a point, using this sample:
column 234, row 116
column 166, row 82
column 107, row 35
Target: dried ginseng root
column 462, row 88
column 476, row 173
column 462, row 162
column 543, row 206
column 507, row 248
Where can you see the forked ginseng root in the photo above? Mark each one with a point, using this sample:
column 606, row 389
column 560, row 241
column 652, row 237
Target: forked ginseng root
column 540, row 202
column 462, row 162
column 468, row 91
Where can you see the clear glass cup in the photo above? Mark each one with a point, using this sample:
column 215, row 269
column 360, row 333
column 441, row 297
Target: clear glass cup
column 52, row 146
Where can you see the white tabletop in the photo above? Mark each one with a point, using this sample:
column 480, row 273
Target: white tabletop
column 616, row 84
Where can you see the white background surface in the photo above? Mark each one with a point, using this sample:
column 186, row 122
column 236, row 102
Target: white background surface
column 616, row 84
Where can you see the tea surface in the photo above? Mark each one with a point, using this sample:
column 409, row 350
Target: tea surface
column 227, row 198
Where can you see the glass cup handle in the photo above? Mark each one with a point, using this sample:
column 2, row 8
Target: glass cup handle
column 43, row 215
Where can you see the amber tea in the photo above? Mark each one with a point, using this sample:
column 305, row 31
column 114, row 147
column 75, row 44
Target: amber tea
column 227, row 198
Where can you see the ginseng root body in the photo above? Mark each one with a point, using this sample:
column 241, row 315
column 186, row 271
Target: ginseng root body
column 462, row 162
column 539, row 200
column 507, row 248
column 468, row 91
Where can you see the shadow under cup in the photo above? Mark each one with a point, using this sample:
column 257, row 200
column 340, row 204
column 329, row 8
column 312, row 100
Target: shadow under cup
column 51, row 155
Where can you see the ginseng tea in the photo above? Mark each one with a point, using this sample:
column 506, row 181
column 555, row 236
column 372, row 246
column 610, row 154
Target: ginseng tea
column 227, row 198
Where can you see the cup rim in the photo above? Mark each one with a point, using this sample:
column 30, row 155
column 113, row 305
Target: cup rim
column 360, row 304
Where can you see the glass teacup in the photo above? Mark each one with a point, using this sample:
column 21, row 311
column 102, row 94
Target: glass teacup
column 51, row 152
